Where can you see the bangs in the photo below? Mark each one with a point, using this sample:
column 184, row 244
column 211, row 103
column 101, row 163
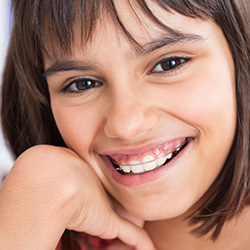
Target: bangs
column 54, row 25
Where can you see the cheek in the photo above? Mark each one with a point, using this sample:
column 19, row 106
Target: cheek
column 207, row 103
column 209, row 107
column 206, row 100
column 77, row 126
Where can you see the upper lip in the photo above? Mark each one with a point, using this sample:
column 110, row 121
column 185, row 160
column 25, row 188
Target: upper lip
column 133, row 150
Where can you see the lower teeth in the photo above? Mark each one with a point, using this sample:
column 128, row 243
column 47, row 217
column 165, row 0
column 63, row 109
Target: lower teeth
column 174, row 153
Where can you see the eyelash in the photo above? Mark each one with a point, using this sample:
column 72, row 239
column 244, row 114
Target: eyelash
column 84, row 83
column 170, row 65
column 166, row 66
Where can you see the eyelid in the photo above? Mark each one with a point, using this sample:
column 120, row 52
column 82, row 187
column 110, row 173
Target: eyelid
column 70, row 81
column 187, row 59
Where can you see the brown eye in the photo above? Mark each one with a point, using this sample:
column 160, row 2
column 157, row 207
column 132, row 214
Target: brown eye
column 169, row 64
column 79, row 85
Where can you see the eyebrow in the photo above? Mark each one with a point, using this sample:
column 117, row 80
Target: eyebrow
column 60, row 66
column 168, row 40
column 165, row 40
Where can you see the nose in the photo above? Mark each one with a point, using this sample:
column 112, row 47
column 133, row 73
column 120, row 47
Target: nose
column 129, row 115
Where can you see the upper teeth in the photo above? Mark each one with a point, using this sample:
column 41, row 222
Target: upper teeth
column 149, row 163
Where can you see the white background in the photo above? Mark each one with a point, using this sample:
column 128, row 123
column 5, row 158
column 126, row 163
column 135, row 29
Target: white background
column 5, row 24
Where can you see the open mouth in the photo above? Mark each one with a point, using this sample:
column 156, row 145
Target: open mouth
column 152, row 164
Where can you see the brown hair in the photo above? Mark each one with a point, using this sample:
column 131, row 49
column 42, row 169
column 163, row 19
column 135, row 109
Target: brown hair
column 41, row 25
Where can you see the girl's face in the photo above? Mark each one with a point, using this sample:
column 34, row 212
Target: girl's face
column 165, row 113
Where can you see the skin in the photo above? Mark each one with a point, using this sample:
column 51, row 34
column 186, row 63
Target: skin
column 51, row 182
column 133, row 106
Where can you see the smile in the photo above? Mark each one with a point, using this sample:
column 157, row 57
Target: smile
column 149, row 161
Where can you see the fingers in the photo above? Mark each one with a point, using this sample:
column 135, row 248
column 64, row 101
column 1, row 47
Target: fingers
column 133, row 235
column 121, row 211
column 126, row 231
column 111, row 221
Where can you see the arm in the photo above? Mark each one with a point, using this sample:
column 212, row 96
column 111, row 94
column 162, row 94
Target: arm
column 50, row 189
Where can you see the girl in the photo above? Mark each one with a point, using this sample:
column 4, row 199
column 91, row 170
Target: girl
column 130, row 121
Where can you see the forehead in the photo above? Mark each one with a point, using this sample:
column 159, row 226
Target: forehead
column 133, row 26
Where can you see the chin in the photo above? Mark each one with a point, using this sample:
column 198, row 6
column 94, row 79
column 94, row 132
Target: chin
column 163, row 210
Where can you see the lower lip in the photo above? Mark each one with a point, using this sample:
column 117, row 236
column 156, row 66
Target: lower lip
column 143, row 178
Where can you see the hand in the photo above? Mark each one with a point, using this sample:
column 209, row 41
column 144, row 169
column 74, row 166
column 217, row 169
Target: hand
column 50, row 189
